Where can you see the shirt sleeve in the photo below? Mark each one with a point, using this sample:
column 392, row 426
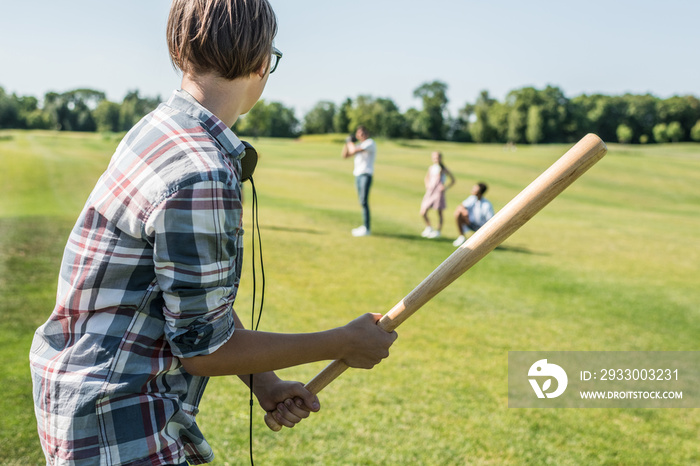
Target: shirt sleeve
column 489, row 211
column 469, row 202
column 366, row 145
column 197, row 257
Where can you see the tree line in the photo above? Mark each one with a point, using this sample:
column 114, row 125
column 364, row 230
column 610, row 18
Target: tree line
column 526, row 116
column 76, row 110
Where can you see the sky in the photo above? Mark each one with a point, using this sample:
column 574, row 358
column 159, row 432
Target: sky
column 335, row 49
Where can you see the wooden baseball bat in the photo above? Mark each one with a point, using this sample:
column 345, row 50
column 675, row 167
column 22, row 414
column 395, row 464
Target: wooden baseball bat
column 515, row 214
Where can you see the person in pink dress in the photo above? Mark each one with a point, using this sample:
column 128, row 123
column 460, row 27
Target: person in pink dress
column 434, row 198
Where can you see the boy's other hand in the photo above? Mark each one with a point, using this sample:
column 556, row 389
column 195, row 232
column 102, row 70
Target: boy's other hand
column 289, row 402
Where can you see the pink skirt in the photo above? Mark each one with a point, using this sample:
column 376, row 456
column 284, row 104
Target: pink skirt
column 434, row 199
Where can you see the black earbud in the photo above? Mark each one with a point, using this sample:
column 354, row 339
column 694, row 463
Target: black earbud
column 248, row 162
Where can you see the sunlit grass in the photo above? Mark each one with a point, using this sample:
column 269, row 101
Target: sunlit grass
column 612, row 264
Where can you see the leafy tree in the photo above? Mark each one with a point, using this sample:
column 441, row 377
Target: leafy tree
column 459, row 126
column 640, row 112
column 283, row 122
column 601, row 114
column 319, row 120
column 519, row 101
column 481, row 129
column 498, row 119
column 674, row 131
column 29, row 114
column 9, row 111
column 22, row 112
column 660, row 132
column 381, row 116
column 557, row 115
column 107, row 116
column 624, row 134
column 393, row 123
column 72, row 110
column 134, row 107
column 38, row 119
column 341, row 119
column 683, row 109
column 255, row 122
column 268, row 120
column 535, row 125
column 578, row 123
column 555, row 121
column 363, row 112
column 434, row 97
column 517, row 123
column 695, row 132
column 416, row 123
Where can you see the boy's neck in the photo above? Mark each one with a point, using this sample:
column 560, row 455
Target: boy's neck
column 227, row 99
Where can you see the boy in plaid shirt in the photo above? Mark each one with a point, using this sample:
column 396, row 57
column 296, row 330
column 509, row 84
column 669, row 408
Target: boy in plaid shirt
column 144, row 311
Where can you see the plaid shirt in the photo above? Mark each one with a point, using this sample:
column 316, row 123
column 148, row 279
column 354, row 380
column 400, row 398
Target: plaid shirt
column 149, row 275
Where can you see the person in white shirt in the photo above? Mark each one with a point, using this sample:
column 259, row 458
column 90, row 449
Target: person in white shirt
column 365, row 151
column 473, row 213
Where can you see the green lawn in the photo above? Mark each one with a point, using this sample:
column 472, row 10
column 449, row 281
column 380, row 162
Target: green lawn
column 612, row 264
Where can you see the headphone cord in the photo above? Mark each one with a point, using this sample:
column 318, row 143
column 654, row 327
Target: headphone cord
column 255, row 324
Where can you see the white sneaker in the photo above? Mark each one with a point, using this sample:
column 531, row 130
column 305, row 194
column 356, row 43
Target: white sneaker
column 360, row 231
column 434, row 234
column 459, row 241
column 426, row 233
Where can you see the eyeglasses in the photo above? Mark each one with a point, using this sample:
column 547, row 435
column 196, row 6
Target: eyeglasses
column 275, row 58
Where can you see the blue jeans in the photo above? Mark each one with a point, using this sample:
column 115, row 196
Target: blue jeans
column 363, row 183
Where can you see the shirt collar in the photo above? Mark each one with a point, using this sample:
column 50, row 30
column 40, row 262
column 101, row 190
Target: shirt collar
column 183, row 101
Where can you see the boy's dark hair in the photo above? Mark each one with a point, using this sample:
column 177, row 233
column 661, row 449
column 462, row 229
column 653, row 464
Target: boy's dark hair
column 363, row 129
column 232, row 38
column 482, row 188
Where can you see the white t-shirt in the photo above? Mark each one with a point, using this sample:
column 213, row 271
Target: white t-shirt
column 480, row 211
column 364, row 159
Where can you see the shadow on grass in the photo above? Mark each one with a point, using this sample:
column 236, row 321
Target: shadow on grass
column 517, row 249
column 399, row 236
column 292, row 230
column 409, row 143
column 404, row 236
column 413, row 237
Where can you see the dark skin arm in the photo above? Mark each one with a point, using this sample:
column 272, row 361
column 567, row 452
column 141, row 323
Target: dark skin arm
column 360, row 343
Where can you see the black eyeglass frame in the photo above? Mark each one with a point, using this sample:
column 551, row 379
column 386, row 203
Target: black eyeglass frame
column 277, row 53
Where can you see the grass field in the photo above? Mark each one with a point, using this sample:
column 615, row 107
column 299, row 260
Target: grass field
column 612, row 264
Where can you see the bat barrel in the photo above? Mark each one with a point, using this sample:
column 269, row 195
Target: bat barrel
column 574, row 163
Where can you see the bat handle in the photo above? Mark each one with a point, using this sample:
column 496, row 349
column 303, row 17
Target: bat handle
column 329, row 374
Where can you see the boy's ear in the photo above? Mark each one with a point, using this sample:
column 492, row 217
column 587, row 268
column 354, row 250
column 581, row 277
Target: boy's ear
column 261, row 71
